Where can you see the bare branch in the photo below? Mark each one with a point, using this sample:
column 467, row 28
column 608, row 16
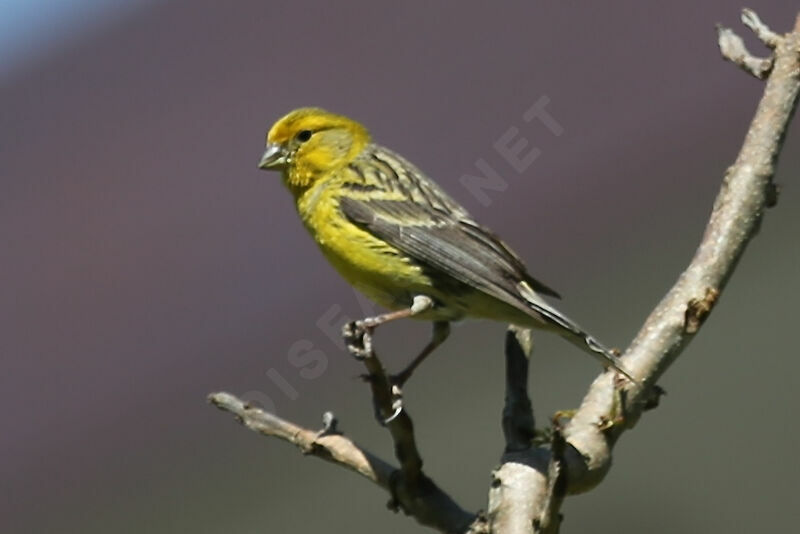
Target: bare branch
column 529, row 486
column 412, row 491
column 388, row 400
column 334, row 448
column 549, row 520
column 746, row 192
column 519, row 425
column 521, row 477
column 527, row 490
column 519, row 486
column 429, row 505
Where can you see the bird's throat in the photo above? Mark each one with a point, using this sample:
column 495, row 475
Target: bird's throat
column 299, row 180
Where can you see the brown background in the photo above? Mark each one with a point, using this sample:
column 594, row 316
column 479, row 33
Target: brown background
column 147, row 262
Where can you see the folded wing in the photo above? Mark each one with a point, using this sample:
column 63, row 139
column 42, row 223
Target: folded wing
column 457, row 247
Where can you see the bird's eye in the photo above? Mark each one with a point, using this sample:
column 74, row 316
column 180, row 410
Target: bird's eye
column 304, row 135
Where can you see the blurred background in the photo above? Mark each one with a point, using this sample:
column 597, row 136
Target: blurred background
column 146, row 261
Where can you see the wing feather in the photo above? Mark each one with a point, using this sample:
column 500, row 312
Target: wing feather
column 460, row 249
column 424, row 223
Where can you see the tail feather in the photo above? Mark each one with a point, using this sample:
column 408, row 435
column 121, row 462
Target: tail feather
column 594, row 348
column 572, row 332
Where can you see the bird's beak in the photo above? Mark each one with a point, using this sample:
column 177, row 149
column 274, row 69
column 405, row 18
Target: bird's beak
column 274, row 156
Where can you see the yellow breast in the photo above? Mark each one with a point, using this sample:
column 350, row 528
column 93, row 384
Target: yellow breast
column 373, row 266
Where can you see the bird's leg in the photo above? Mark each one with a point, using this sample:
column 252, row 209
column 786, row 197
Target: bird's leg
column 358, row 334
column 420, row 304
column 358, row 338
column 441, row 329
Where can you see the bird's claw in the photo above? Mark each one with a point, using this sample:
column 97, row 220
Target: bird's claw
column 358, row 339
column 397, row 407
column 397, row 404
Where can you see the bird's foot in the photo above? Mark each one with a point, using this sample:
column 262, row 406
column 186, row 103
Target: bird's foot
column 397, row 406
column 358, row 339
column 386, row 414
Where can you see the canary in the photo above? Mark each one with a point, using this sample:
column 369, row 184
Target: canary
column 397, row 237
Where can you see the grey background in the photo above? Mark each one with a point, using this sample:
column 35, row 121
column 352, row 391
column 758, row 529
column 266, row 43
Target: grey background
column 147, row 262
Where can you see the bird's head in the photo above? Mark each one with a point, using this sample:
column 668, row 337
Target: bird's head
column 310, row 142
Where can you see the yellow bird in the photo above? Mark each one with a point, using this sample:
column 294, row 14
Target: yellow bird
column 396, row 236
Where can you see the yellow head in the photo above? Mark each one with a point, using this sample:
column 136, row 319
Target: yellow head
column 309, row 143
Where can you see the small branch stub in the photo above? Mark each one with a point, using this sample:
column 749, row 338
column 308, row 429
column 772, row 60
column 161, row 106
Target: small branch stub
column 733, row 49
column 767, row 36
